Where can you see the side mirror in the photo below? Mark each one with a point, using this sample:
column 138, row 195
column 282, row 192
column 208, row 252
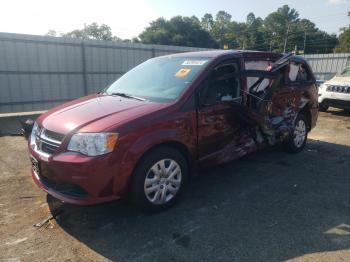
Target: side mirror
column 27, row 127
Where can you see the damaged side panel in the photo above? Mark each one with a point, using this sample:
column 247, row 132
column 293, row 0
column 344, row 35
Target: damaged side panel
column 267, row 117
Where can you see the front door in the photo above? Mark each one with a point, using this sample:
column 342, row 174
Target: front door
column 220, row 131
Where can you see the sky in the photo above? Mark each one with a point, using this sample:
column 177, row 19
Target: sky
column 128, row 18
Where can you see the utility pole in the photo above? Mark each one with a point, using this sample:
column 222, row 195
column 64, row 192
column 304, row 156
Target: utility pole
column 222, row 37
column 304, row 42
column 286, row 39
column 273, row 34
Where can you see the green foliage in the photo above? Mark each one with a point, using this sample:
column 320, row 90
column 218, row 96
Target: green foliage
column 51, row 33
column 92, row 31
column 344, row 40
column 180, row 31
column 255, row 33
column 269, row 34
column 207, row 22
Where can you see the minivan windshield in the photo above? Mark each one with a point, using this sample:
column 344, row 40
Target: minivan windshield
column 160, row 79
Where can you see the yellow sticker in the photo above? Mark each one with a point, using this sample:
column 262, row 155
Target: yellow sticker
column 182, row 72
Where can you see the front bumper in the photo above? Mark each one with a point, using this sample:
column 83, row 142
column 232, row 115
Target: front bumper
column 78, row 179
column 334, row 99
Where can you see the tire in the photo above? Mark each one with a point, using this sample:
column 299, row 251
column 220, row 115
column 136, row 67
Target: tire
column 297, row 140
column 154, row 188
column 323, row 107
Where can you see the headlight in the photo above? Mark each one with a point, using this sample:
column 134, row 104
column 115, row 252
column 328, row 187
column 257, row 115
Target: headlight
column 323, row 86
column 34, row 134
column 93, row 144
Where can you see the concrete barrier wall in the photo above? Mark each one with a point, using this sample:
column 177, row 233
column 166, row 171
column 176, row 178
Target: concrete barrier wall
column 39, row 72
column 325, row 66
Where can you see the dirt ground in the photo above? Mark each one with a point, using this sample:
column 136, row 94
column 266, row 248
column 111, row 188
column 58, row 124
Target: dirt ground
column 268, row 206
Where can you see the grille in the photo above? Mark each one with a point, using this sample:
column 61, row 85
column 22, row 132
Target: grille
column 48, row 141
column 339, row 89
column 53, row 135
column 48, row 148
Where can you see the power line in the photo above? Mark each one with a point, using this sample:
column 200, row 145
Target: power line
column 328, row 15
column 314, row 43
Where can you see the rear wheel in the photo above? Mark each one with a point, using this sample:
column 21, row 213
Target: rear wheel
column 159, row 179
column 297, row 140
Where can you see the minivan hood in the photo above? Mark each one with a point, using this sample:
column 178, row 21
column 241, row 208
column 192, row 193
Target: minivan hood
column 83, row 111
column 339, row 80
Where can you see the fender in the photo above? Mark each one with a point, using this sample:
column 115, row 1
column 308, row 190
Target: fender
column 143, row 144
column 154, row 138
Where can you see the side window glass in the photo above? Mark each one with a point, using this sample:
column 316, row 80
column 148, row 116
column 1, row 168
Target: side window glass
column 298, row 73
column 303, row 74
column 217, row 90
column 257, row 65
column 293, row 71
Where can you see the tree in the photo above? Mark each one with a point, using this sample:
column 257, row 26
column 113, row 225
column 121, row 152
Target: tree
column 51, row 33
column 220, row 28
column 236, row 35
column 285, row 25
column 281, row 28
column 93, row 31
column 207, row 22
column 254, row 34
column 344, row 39
column 180, row 31
column 279, row 25
column 310, row 39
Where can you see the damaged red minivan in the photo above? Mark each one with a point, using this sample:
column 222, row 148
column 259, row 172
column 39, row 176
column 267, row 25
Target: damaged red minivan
column 145, row 134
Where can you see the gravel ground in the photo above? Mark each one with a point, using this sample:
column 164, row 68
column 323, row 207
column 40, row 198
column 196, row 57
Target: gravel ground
column 268, row 206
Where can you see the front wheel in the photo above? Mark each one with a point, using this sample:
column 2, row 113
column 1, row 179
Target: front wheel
column 159, row 179
column 297, row 140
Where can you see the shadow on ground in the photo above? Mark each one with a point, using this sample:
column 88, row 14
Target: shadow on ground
column 268, row 206
column 338, row 112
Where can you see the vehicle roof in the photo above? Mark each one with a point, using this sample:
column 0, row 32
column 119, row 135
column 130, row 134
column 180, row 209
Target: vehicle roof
column 299, row 58
column 219, row 53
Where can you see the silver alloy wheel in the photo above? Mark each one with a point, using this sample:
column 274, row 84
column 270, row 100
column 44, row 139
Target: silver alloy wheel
column 299, row 133
column 163, row 181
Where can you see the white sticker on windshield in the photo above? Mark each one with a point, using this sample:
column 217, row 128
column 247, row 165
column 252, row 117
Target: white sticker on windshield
column 194, row 62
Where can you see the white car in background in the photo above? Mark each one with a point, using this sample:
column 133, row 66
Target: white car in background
column 335, row 92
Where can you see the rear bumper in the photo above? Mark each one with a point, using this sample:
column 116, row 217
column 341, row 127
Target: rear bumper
column 81, row 180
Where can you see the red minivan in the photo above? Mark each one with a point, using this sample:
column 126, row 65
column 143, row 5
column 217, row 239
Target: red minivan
column 145, row 134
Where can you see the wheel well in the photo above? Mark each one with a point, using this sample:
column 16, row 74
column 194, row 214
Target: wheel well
column 173, row 144
column 306, row 112
column 178, row 146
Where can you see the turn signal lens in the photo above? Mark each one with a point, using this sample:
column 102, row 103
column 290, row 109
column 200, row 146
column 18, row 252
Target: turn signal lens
column 111, row 141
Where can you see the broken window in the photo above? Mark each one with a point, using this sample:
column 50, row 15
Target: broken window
column 257, row 65
column 298, row 73
column 217, row 88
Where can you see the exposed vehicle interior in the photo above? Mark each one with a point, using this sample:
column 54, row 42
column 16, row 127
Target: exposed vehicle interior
column 217, row 89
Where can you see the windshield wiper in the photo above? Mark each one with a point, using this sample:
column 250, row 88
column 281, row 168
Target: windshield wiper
column 127, row 96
